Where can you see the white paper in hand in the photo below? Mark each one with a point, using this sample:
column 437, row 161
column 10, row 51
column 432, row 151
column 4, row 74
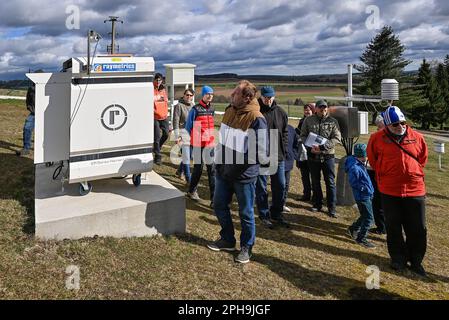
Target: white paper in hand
column 314, row 139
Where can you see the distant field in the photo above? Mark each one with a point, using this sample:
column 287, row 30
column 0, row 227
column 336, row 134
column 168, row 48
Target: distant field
column 286, row 93
column 9, row 92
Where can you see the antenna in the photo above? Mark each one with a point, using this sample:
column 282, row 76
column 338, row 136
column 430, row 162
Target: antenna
column 111, row 48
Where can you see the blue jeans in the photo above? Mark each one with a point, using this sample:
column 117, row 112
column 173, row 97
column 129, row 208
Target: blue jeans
column 184, row 166
column 28, row 128
column 328, row 168
column 245, row 193
column 277, row 191
column 363, row 224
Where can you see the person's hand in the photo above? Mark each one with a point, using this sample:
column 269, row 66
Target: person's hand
column 179, row 141
column 316, row 149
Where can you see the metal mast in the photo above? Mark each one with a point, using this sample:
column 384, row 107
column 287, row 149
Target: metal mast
column 111, row 48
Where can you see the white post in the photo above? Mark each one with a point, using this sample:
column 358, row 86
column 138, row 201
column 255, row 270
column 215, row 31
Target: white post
column 350, row 103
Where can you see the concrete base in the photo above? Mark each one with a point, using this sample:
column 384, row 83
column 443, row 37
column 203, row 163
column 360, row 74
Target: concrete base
column 114, row 207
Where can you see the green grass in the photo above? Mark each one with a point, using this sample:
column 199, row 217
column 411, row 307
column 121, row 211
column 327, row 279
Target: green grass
column 314, row 259
column 10, row 92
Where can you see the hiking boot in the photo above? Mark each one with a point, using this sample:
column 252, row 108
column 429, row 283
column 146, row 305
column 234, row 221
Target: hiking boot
column 221, row 245
column 397, row 266
column 244, row 255
column 23, row 152
column 419, row 270
column 211, row 204
column 193, row 195
column 377, row 231
column 267, row 223
column 158, row 160
column 365, row 243
column 286, row 209
column 332, row 213
column 352, row 233
column 281, row 221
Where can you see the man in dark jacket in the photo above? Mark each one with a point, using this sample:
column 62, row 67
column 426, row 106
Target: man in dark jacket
column 242, row 146
column 321, row 157
column 28, row 127
column 277, row 122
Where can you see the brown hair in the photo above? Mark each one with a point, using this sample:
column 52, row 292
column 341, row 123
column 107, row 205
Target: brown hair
column 189, row 90
column 249, row 90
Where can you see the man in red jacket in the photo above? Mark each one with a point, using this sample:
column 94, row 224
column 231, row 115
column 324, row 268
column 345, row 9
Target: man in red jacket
column 160, row 117
column 398, row 155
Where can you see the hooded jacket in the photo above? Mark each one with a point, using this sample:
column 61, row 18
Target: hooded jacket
column 180, row 113
column 360, row 182
column 276, row 119
column 243, row 139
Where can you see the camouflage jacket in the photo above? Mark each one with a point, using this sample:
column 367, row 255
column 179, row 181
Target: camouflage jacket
column 326, row 127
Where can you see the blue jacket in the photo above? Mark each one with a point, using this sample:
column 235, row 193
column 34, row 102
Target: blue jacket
column 362, row 188
column 292, row 148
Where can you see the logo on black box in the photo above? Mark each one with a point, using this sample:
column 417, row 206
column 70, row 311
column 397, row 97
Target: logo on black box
column 114, row 117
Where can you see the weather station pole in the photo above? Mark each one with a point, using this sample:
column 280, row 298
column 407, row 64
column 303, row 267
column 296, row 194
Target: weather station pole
column 113, row 20
column 350, row 103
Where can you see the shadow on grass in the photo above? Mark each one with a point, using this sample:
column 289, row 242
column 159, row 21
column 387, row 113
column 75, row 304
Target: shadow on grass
column 314, row 282
column 321, row 283
column 17, row 183
column 438, row 196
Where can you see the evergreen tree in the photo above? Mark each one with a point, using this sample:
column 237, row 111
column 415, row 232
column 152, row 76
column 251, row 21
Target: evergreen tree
column 442, row 79
column 429, row 112
column 382, row 59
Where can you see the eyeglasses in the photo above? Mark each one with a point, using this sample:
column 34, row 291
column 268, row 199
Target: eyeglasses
column 402, row 123
column 189, row 95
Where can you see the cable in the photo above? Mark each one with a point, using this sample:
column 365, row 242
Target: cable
column 72, row 118
column 58, row 170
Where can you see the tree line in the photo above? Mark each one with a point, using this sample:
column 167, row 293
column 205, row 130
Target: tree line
column 424, row 97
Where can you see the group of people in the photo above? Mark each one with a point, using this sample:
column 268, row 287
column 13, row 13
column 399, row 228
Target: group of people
column 386, row 175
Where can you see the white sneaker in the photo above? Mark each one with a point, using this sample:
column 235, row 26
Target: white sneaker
column 286, row 209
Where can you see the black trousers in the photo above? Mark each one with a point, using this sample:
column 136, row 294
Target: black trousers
column 379, row 216
column 406, row 214
column 159, row 139
column 305, row 178
column 198, row 170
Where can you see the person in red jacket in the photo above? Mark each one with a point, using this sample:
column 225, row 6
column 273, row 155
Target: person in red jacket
column 200, row 126
column 160, row 117
column 398, row 155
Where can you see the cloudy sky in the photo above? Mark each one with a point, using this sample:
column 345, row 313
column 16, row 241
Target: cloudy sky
column 240, row 36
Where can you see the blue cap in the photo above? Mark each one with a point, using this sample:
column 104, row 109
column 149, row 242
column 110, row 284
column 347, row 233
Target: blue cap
column 267, row 91
column 206, row 90
column 393, row 115
column 360, row 150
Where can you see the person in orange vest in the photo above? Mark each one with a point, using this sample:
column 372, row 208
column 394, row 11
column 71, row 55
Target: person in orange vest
column 160, row 117
column 200, row 125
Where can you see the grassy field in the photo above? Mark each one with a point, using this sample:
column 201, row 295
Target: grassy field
column 314, row 259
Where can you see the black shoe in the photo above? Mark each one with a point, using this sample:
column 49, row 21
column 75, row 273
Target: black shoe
column 23, row 153
column 304, row 198
column 352, row 233
column 332, row 213
column 281, row 222
column 221, row 245
column 419, row 270
column 365, row 243
column 267, row 223
column 244, row 255
column 377, row 231
column 211, row 204
column 158, row 160
column 398, row 266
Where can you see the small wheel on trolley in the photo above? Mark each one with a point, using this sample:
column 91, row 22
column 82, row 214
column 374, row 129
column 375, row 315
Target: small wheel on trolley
column 137, row 179
column 85, row 188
